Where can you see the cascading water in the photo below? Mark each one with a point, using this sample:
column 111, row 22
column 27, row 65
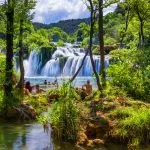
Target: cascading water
column 56, row 67
column 33, row 64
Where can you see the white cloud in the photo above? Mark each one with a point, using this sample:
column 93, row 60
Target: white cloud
column 55, row 10
column 48, row 11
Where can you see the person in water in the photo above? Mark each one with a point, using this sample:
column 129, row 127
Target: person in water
column 45, row 82
column 38, row 89
column 87, row 87
column 56, row 82
column 28, row 87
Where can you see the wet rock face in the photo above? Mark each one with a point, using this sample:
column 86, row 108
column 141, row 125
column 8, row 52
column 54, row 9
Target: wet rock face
column 22, row 112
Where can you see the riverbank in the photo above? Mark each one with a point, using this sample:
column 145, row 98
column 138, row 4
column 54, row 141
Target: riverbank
column 120, row 121
column 100, row 121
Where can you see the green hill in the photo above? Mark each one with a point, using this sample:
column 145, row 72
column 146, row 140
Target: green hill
column 69, row 26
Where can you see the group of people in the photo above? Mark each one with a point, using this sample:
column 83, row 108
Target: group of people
column 36, row 88
column 87, row 88
column 55, row 83
column 30, row 89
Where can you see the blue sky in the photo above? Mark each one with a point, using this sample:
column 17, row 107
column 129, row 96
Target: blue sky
column 49, row 11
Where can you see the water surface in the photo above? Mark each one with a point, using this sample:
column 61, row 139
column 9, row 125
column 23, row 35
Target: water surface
column 32, row 137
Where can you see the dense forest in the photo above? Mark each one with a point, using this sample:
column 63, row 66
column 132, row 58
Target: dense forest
column 68, row 26
column 116, row 111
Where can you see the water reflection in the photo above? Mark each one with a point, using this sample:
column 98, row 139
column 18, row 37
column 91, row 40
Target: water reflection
column 33, row 137
column 24, row 137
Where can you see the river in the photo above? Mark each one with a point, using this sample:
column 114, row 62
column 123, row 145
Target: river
column 32, row 137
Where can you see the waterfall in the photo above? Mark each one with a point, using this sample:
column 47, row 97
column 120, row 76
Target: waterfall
column 52, row 68
column 55, row 67
column 33, row 64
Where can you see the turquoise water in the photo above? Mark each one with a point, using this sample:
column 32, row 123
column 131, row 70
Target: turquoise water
column 78, row 82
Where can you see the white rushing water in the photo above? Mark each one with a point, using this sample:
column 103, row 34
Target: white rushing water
column 55, row 68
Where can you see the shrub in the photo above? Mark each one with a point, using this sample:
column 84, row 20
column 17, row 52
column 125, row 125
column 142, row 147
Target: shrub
column 133, row 124
column 130, row 71
column 2, row 70
column 64, row 115
column 60, row 43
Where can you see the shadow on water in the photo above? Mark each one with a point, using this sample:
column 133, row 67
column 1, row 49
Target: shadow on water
column 33, row 137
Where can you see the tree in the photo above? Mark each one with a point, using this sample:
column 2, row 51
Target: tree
column 101, row 42
column 89, row 49
column 83, row 31
column 9, row 52
column 25, row 6
column 102, row 4
column 92, row 10
column 141, row 10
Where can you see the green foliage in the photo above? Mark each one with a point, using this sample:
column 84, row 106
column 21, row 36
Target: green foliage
column 68, row 26
column 133, row 124
column 64, row 115
column 83, row 31
column 60, row 43
column 2, row 44
column 11, row 101
column 57, row 34
column 2, row 70
column 129, row 71
column 110, row 41
column 38, row 102
column 39, row 38
column 1, row 99
column 112, row 24
column 42, row 119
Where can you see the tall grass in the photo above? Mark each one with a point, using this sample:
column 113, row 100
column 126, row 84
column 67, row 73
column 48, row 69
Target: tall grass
column 64, row 115
column 133, row 125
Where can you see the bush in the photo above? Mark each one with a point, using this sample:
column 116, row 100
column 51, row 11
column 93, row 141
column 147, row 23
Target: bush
column 60, row 43
column 64, row 115
column 2, row 70
column 133, row 124
column 130, row 71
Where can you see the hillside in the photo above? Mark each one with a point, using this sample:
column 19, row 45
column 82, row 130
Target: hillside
column 69, row 26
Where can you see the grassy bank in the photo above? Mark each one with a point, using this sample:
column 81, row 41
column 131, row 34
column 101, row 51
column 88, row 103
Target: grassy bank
column 119, row 119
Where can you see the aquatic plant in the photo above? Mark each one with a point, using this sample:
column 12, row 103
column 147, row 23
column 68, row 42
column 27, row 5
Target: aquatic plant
column 64, row 114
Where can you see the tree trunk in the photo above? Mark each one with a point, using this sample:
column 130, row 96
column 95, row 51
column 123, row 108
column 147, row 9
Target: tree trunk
column 101, row 43
column 142, row 33
column 21, row 81
column 9, row 54
column 90, row 47
column 89, row 50
column 126, row 25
